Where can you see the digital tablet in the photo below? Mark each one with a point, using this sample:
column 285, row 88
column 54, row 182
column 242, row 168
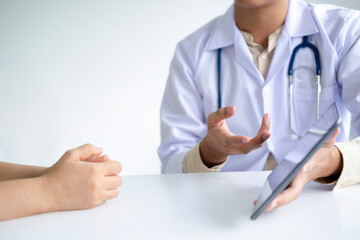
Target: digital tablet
column 287, row 169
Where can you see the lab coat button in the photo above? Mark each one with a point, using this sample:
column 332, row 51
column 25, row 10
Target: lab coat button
column 265, row 91
column 271, row 146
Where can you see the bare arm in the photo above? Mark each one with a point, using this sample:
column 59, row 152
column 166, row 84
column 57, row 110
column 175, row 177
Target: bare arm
column 22, row 197
column 10, row 171
column 79, row 180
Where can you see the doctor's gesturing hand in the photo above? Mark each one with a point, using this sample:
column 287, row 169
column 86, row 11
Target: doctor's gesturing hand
column 327, row 162
column 220, row 142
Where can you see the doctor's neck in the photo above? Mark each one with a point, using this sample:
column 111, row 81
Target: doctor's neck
column 260, row 17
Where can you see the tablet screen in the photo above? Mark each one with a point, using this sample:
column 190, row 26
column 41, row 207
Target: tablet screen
column 287, row 169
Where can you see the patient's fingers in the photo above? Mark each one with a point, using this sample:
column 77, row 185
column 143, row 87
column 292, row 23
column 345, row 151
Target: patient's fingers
column 103, row 158
column 83, row 152
column 111, row 168
column 110, row 194
column 113, row 182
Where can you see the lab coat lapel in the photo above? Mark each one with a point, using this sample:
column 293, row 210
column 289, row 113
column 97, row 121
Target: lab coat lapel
column 244, row 58
column 281, row 55
column 225, row 35
column 299, row 22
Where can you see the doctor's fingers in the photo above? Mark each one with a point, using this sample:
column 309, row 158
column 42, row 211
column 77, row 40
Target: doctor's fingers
column 235, row 141
column 215, row 119
column 244, row 145
column 265, row 124
column 262, row 135
column 331, row 141
column 290, row 193
column 253, row 144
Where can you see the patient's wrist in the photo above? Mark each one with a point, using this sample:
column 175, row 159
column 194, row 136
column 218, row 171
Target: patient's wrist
column 49, row 198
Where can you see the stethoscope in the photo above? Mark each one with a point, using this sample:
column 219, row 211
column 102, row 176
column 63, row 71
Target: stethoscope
column 304, row 44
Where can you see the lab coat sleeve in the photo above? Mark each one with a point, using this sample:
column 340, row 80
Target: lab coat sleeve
column 183, row 123
column 349, row 80
column 349, row 70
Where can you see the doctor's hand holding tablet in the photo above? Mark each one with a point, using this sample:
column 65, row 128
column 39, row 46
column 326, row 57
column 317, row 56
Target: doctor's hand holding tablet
column 326, row 162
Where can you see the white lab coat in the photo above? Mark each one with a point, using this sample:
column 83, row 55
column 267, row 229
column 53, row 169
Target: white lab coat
column 191, row 90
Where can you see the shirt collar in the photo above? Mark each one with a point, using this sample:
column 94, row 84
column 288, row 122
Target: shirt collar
column 272, row 40
column 299, row 22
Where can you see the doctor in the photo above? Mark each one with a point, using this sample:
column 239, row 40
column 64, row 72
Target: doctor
column 229, row 80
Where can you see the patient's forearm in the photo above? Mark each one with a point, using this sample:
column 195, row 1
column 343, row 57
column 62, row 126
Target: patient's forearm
column 9, row 171
column 22, row 197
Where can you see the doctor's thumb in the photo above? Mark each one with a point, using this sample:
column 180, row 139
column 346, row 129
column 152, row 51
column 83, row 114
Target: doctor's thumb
column 264, row 131
column 214, row 119
column 265, row 125
column 331, row 141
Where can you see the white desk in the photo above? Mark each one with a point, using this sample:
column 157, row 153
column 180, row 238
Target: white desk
column 199, row 206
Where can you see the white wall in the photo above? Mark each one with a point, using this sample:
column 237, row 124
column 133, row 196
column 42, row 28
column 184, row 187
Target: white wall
column 73, row 72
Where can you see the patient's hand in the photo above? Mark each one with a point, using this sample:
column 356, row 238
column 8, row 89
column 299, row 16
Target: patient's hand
column 325, row 163
column 81, row 179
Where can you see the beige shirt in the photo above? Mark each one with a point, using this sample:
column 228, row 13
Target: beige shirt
column 262, row 58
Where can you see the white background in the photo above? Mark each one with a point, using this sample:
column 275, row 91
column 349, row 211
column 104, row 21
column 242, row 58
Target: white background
column 73, row 72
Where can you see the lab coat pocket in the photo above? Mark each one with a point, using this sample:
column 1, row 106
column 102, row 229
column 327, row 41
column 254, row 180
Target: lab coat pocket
column 305, row 104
